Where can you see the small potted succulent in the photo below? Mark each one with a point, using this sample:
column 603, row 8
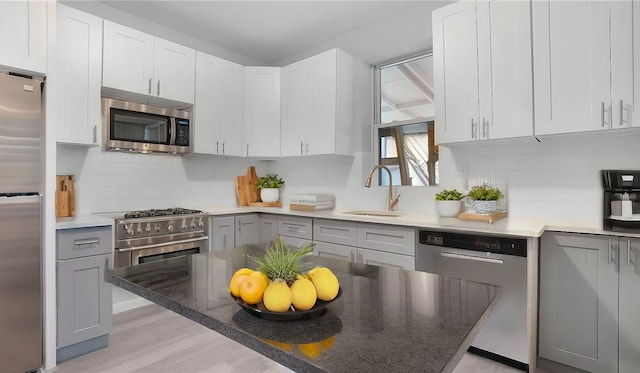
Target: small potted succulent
column 449, row 202
column 485, row 198
column 270, row 187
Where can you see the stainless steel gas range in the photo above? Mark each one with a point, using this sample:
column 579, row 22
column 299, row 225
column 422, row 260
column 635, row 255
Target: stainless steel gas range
column 150, row 235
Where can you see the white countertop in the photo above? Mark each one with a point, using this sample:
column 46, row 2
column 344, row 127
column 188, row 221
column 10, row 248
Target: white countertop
column 82, row 221
column 521, row 227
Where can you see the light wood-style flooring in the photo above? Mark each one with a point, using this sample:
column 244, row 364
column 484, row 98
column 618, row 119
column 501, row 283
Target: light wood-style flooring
column 153, row 339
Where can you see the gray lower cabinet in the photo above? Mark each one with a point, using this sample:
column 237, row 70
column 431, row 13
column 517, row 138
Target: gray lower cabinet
column 589, row 301
column 629, row 302
column 232, row 230
column 84, row 306
column 374, row 244
column 268, row 228
column 295, row 230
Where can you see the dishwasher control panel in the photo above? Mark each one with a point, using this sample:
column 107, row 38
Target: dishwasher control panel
column 478, row 242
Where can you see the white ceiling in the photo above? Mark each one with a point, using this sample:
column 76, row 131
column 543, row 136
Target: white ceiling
column 271, row 31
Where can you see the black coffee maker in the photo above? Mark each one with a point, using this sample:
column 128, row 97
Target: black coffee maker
column 621, row 200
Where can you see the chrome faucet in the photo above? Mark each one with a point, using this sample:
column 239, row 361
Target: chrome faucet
column 392, row 201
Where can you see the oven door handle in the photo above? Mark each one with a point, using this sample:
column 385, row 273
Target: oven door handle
column 163, row 244
column 471, row 257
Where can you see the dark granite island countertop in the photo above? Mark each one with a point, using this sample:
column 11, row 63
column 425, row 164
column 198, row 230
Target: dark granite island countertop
column 387, row 319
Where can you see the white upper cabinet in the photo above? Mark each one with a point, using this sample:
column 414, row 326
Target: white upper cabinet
column 217, row 111
column 583, row 65
column 23, row 35
column 78, row 56
column 455, row 72
column 140, row 63
column 318, row 100
column 482, row 71
column 261, row 122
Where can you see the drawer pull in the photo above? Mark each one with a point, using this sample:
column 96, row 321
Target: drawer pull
column 89, row 242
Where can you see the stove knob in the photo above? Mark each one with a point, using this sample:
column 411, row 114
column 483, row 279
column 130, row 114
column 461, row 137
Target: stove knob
column 184, row 227
column 200, row 224
column 129, row 229
column 169, row 228
column 157, row 227
column 139, row 230
column 193, row 225
column 148, row 228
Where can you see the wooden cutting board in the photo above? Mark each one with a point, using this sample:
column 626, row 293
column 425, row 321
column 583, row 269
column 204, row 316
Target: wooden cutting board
column 252, row 180
column 246, row 187
column 65, row 196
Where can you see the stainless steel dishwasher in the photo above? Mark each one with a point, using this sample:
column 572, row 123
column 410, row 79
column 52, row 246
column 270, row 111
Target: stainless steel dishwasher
column 498, row 260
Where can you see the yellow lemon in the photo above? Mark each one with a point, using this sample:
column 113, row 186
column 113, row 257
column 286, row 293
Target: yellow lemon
column 325, row 282
column 277, row 296
column 303, row 294
column 236, row 280
column 252, row 287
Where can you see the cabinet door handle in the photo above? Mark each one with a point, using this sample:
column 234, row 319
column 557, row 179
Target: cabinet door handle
column 485, row 128
column 628, row 250
column 602, row 117
column 222, row 146
column 95, row 134
column 224, row 241
column 87, row 242
column 609, row 256
column 149, row 85
column 158, row 88
column 247, row 149
column 217, row 151
column 473, row 131
column 301, row 147
column 621, row 113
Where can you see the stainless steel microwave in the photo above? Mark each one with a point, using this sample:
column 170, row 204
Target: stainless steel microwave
column 141, row 128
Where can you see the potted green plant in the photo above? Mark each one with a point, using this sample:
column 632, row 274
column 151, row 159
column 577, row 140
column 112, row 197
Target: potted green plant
column 485, row 198
column 270, row 187
column 449, row 202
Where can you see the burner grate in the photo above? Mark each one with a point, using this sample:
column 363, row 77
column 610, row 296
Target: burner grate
column 160, row 212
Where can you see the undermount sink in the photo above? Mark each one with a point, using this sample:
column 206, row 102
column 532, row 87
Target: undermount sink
column 384, row 214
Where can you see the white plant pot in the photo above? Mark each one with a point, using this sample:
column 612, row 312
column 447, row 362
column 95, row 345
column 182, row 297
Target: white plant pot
column 448, row 209
column 269, row 194
column 485, row 207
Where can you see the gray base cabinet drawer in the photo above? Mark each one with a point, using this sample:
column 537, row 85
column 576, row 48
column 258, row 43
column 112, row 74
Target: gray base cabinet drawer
column 335, row 231
column 84, row 299
column 391, row 239
column 81, row 242
column 298, row 227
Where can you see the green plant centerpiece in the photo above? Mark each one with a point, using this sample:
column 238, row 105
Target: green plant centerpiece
column 485, row 198
column 280, row 262
column 449, row 203
column 270, row 187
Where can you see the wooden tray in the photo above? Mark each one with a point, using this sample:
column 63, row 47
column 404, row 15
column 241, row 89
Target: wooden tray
column 266, row 204
column 488, row 218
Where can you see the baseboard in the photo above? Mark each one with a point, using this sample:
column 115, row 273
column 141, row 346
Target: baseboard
column 499, row 358
column 130, row 304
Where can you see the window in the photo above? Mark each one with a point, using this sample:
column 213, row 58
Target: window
column 403, row 121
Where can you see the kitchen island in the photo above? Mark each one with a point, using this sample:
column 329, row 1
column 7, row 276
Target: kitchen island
column 387, row 319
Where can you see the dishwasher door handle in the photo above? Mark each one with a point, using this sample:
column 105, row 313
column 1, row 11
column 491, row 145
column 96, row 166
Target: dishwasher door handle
column 471, row 257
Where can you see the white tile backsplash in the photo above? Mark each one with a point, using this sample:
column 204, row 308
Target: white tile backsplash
column 558, row 178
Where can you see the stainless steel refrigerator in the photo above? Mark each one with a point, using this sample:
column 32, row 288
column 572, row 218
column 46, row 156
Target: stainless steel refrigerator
column 21, row 175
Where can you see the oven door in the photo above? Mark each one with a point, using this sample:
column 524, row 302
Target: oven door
column 128, row 256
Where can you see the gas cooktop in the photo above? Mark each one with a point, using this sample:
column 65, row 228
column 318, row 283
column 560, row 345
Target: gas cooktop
column 160, row 212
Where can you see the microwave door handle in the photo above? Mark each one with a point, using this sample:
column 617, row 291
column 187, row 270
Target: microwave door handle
column 172, row 134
